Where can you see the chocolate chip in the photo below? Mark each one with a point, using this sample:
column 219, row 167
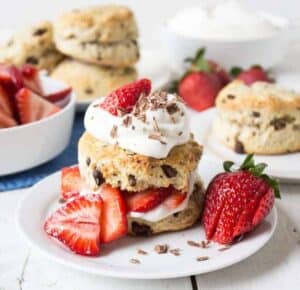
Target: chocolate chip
column 98, row 177
column 70, row 36
column 88, row 91
column 231, row 97
column 239, row 147
column 169, row 171
column 88, row 161
column 280, row 123
column 141, row 230
column 40, row 31
column 255, row 114
column 131, row 180
column 172, row 108
column 296, row 127
column 32, row 60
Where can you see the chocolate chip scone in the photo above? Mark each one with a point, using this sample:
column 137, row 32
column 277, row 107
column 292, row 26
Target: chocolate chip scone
column 33, row 45
column 90, row 81
column 129, row 171
column 261, row 118
column 175, row 222
column 104, row 35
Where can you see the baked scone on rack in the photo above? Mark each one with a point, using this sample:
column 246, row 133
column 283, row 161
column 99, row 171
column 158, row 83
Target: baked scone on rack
column 143, row 147
column 32, row 45
column 261, row 118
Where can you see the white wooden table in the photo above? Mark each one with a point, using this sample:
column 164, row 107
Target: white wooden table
column 276, row 266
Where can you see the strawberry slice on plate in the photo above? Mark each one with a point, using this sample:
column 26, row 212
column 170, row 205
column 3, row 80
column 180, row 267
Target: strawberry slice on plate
column 71, row 182
column 77, row 225
column 114, row 220
column 32, row 107
column 124, row 98
column 31, row 78
column 6, row 121
column 146, row 200
column 175, row 199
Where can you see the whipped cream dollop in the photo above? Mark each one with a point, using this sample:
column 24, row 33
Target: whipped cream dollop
column 225, row 20
column 157, row 123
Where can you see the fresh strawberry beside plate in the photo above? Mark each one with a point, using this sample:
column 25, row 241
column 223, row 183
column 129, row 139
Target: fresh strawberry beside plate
column 238, row 201
column 253, row 74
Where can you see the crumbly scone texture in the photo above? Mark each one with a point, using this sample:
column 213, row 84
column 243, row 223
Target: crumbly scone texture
column 117, row 54
column 33, row 45
column 91, row 81
column 106, row 24
column 176, row 222
column 133, row 172
column 260, row 119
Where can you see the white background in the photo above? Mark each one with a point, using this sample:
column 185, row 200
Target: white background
column 151, row 14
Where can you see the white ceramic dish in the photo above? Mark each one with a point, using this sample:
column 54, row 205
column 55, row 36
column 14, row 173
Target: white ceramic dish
column 285, row 167
column 267, row 51
column 115, row 257
column 26, row 146
column 152, row 65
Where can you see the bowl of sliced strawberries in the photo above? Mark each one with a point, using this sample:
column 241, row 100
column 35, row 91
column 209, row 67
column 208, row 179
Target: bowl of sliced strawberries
column 36, row 118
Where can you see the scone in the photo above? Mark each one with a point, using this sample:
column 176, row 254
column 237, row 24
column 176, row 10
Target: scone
column 90, row 81
column 33, row 45
column 104, row 35
column 261, row 118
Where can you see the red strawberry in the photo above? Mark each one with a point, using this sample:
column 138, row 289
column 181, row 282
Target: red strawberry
column 124, row 98
column 5, row 105
column 146, row 200
column 31, row 79
column 113, row 219
column 32, row 107
column 254, row 74
column 236, row 202
column 71, row 182
column 77, row 224
column 199, row 90
column 175, row 199
column 11, row 78
column 6, row 121
column 58, row 96
column 220, row 72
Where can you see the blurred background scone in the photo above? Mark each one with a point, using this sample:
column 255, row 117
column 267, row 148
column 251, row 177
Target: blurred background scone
column 261, row 118
column 92, row 81
column 33, row 45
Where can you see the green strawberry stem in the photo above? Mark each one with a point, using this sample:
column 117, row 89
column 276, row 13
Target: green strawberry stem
column 256, row 170
column 199, row 63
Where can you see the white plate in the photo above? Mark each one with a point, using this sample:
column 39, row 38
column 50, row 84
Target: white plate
column 115, row 257
column 152, row 65
column 285, row 167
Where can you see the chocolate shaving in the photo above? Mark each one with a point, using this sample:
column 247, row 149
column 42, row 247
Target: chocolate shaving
column 172, row 108
column 114, row 131
column 161, row 249
column 203, row 258
column 134, row 261
column 127, row 121
column 194, row 244
column 142, row 252
column 157, row 136
column 175, row 252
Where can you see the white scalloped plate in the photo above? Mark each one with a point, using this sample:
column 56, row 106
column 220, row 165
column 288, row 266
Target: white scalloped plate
column 114, row 260
column 284, row 167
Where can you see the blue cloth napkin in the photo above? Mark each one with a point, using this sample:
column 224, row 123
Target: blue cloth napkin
column 30, row 177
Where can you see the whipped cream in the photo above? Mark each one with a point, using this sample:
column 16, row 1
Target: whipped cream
column 225, row 20
column 161, row 211
column 157, row 124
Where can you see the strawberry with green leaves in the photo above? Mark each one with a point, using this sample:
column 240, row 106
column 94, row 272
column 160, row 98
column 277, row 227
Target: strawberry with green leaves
column 238, row 201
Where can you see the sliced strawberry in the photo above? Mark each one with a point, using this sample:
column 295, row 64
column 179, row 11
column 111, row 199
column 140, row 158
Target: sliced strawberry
column 146, row 200
column 59, row 95
column 6, row 121
column 71, row 182
column 77, row 224
column 5, row 105
column 32, row 107
column 114, row 220
column 31, row 79
column 124, row 98
column 10, row 78
column 175, row 199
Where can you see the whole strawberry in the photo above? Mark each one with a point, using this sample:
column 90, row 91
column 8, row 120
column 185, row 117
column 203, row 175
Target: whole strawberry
column 124, row 98
column 236, row 202
column 202, row 82
column 252, row 75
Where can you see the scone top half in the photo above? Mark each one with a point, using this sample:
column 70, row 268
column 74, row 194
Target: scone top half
column 151, row 147
column 261, row 118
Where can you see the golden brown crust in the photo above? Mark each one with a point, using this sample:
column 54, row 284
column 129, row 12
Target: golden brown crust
column 129, row 171
column 176, row 222
column 260, row 95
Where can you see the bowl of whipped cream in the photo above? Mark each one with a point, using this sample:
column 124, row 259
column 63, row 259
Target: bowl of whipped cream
column 232, row 34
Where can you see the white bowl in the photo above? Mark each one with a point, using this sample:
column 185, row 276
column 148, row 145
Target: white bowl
column 26, row 146
column 267, row 51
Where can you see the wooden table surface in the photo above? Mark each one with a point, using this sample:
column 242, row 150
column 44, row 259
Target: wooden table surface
column 276, row 266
